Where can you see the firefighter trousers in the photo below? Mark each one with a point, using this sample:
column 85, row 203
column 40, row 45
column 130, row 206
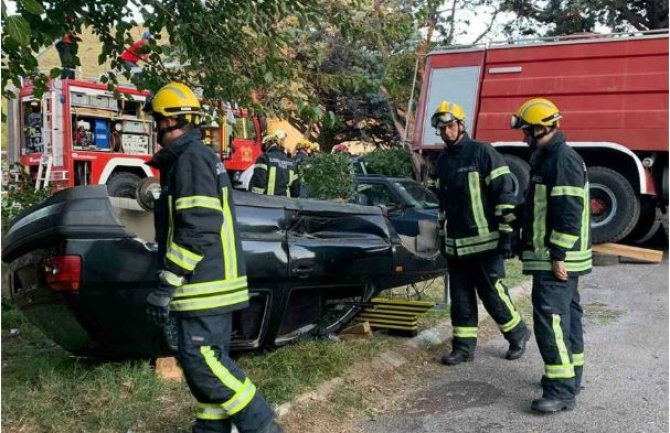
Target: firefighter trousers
column 225, row 395
column 558, row 330
column 481, row 276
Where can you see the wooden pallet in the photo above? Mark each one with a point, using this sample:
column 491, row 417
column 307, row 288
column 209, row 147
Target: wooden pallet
column 640, row 254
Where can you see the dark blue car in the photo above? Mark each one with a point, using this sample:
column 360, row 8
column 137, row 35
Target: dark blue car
column 411, row 207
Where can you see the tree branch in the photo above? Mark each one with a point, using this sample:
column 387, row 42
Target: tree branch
column 488, row 29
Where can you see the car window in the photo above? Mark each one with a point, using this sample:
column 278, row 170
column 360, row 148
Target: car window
column 417, row 194
column 375, row 194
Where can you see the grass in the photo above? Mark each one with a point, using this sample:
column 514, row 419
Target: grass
column 45, row 389
column 601, row 313
column 284, row 373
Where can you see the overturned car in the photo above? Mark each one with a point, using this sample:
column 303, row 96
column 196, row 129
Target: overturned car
column 82, row 264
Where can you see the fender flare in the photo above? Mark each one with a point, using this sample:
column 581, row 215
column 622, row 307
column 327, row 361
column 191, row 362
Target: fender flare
column 123, row 162
column 642, row 176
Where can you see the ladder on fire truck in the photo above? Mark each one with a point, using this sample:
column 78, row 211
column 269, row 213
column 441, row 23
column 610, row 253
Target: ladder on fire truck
column 52, row 136
column 44, row 171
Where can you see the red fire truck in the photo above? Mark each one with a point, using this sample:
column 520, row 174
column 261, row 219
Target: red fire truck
column 79, row 133
column 612, row 91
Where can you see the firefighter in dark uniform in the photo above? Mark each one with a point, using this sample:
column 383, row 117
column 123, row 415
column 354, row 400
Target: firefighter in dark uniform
column 202, row 277
column 302, row 151
column 274, row 172
column 556, row 250
column 476, row 199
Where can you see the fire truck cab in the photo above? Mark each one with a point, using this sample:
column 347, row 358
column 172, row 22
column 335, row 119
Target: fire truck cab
column 612, row 91
column 80, row 133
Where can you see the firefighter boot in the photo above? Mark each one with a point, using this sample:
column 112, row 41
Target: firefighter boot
column 517, row 348
column 547, row 405
column 457, row 357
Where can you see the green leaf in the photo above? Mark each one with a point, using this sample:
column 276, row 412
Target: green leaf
column 33, row 6
column 18, row 29
column 54, row 72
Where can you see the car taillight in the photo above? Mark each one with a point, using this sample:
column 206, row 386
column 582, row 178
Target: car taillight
column 63, row 273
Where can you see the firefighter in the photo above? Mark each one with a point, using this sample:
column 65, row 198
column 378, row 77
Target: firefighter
column 302, row 151
column 556, row 250
column 274, row 172
column 475, row 191
column 202, row 277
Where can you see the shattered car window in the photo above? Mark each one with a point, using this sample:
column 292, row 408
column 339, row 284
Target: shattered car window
column 417, row 195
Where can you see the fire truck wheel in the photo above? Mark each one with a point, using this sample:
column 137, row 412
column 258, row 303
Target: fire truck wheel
column 520, row 175
column 648, row 224
column 615, row 208
column 123, row 185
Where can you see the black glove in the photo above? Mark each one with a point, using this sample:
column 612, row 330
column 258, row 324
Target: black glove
column 158, row 308
column 158, row 301
column 505, row 246
column 442, row 235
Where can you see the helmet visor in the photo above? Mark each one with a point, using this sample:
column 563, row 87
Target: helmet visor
column 518, row 123
column 442, row 119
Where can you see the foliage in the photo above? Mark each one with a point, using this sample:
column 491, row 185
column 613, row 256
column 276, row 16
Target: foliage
column 389, row 162
column 208, row 43
column 328, row 176
column 20, row 195
column 558, row 17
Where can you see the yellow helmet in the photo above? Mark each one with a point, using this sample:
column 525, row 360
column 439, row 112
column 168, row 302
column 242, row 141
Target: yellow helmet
column 303, row 144
column 447, row 112
column 536, row 111
column 274, row 137
column 176, row 100
column 315, row 147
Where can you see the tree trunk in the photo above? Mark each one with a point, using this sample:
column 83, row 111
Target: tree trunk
column 399, row 127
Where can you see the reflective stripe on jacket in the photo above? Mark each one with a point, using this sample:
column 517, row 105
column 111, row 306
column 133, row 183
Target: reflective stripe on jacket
column 196, row 229
column 556, row 214
column 275, row 174
column 475, row 188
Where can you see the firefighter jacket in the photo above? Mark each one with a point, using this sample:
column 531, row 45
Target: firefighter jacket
column 196, row 229
column 275, row 174
column 476, row 196
column 300, row 157
column 556, row 212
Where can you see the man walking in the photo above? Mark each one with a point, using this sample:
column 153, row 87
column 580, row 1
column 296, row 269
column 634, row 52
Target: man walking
column 475, row 191
column 203, row 276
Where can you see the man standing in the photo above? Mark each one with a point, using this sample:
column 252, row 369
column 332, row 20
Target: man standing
column 556, row 245
column 274, row 172
column 203, row 276
column 134, row 54
column 67, row 48
column 476, row 198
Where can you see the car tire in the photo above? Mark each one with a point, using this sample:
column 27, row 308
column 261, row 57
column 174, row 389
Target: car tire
column 615, row 208
column 648, row 223
column 520, row 176
column 123, row 185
